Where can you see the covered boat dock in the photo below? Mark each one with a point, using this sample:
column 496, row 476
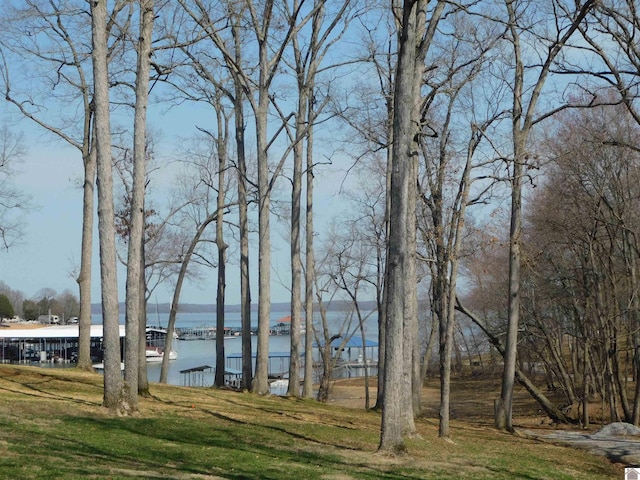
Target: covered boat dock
column 48, row 343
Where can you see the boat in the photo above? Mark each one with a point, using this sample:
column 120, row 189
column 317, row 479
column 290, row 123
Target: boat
column 155, row 354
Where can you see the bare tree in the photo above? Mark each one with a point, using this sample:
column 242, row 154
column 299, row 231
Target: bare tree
column 306, row 65
column 61, row 52
column 270, row 41
column 415, row 35
column 371, row 119
column 354, row 275
column 330, row 335
column 525, row 116
column 447, row 177
column 135, row 262
column 113, row 394
column 12, row 201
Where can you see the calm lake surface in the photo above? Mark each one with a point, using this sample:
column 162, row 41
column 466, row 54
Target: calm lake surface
column 196, row 353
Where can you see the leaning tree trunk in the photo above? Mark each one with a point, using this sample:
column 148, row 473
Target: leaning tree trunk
column 549, row 408
column 164, row 371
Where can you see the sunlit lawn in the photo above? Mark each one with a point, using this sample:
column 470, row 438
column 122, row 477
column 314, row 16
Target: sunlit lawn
column 53, row 427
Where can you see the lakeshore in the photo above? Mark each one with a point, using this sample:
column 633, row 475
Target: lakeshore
column 54, row 346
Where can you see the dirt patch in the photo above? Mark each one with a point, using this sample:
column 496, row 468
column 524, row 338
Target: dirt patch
column 471, row 400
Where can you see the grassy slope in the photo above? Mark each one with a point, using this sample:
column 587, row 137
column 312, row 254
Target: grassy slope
column 52, row 426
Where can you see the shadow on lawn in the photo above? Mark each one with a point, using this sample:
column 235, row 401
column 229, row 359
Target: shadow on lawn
column 235, row 451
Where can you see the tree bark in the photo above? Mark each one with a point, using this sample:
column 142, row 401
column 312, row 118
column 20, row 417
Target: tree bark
column 309, row 273
column 84, row 278
column 393, row 427
column 143, row 379
column 260, row 384
column 113, row 397
column 135, row 262
column 222, row 249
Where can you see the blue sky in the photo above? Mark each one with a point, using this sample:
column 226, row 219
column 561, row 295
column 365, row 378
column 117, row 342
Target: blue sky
column 48, row 255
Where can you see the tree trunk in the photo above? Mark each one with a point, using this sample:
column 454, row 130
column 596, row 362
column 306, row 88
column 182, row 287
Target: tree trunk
column 143, row 378
column 260, row 384
column 395, row 386
column 411, row 371
column 113, row 395
column 84, row 278
column 222, row 250
column 309, row 273
column 504, row 404
column 296, row 262
column 245, row 287
column 135, row 262
column 550, row 409
column 427, row 354
column 176, row 295
column 220, row 301
column 522, row 123
column 585, row 390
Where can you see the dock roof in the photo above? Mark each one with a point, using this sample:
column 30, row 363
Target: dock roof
column 51, row 331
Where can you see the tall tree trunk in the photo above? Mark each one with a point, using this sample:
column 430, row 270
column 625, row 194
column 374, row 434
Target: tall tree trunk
column 113, row 395
column 585, row 392
column 296, row 262
column 309, row 271
column 84, row 278
column 143, row 378
column 382, row 292
column 450, row 280
column 245, row 287
column 135, row 262
column 222, row 249
column 411, row 346
column 504, row 404
column 260, row 384
column 393, row 427
column 220, row 302
column 522, row 123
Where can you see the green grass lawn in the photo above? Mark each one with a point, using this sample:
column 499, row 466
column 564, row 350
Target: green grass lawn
column 52, row 426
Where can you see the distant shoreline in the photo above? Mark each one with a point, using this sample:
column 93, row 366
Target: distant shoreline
column 96, row 308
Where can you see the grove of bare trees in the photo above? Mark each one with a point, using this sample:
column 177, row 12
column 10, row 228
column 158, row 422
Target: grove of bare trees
column 486, row 157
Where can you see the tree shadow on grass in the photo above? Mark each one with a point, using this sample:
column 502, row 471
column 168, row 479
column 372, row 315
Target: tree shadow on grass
column 36, row 389
column 236, row 451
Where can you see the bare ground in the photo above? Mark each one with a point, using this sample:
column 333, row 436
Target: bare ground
column 472, row 402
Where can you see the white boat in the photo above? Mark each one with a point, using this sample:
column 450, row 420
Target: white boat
column 155, row 354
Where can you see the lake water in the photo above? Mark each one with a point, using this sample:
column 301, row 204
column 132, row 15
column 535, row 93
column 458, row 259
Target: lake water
column 196, row 353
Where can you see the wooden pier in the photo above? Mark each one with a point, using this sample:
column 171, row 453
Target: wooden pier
column 205, row 332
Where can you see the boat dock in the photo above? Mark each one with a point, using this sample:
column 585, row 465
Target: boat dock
column 205, row 332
